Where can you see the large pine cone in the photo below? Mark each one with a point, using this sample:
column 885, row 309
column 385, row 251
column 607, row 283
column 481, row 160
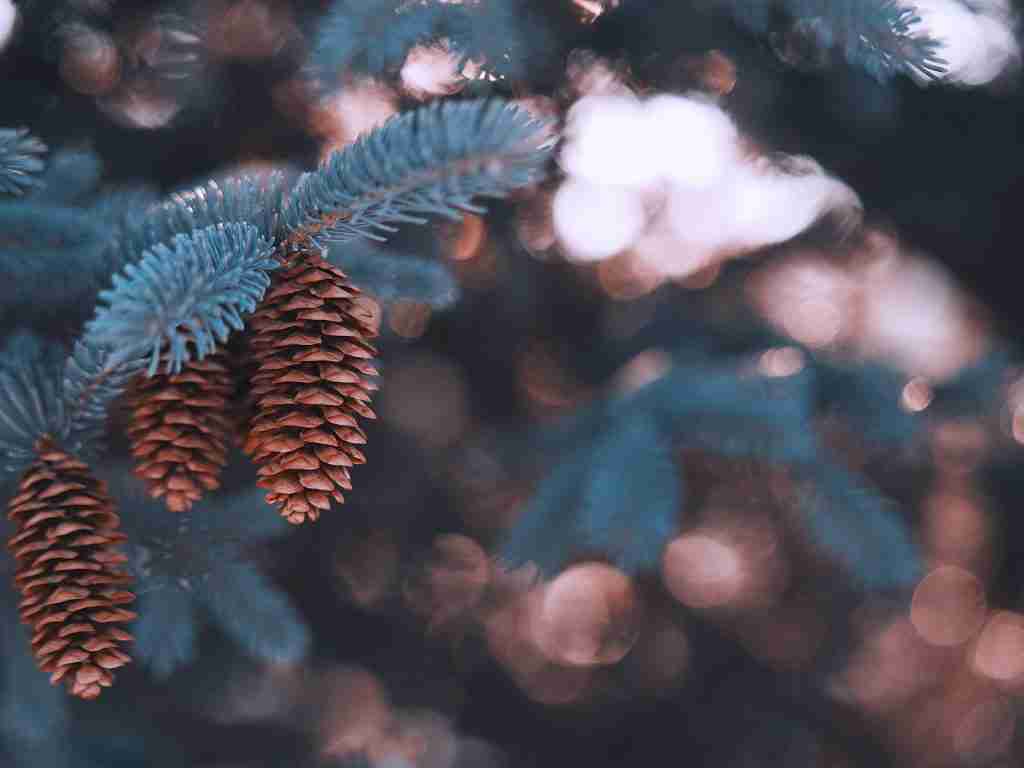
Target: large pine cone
column 67, row 570
column 180, row 428
column 310, row 342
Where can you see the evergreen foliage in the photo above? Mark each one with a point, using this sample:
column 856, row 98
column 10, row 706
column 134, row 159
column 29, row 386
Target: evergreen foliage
column 374, row 36
column 461, row 151
column 196, row 569
column 51, row 255
column 94, row 377
column 616, row 457
column 391, row 276
column 252, row 200
column 20, row 161
column 587, row 505
column 194, row 266
column 71, row 176
column 880, row 36
column 876, row 475
column 30, row 407
column 858, row 528
column 179, row 301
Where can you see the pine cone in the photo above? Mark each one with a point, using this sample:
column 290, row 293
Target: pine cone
column 67, row 571
column 309, row 340
column 180, row 428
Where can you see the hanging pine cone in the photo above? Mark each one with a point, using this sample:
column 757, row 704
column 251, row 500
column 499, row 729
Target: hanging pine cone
column 67, row 570
column 180, row 427
column 310, row 343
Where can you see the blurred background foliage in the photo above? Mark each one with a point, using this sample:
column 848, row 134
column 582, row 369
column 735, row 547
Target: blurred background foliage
column 631, row 498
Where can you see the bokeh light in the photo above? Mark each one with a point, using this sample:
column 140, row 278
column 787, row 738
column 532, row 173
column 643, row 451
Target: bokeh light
column 594, row 221
column 878, row 301
column 948, row 606
column 806, row 297
column 892, row 667
column 470, row 238
column 248, row 29
column 368, row 567
column 977, row 40
column 710, row 139
column 409, row 319
column 914, row 315
column 452, row 581
column 140, row 106
column 89, row 60
column 703, row 572
column 8, row 18
column 956, row 528
column 985, row 731
column 916, row 395
column 589, row 615
column 432, row 70
column 671, row 178
column 426, row 398
column 999, row 651
column 713, row 72
column 781, row 362
column 642, row 369
column 353, row 711
column 354, row 110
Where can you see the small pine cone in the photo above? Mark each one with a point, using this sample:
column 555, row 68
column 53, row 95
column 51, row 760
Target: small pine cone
column 310, row 342
column 180, row 428
column 67, row 571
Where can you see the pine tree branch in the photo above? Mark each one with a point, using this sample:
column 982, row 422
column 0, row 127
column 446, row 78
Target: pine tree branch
column 94, row 377
column 589, row 504
column 614, row 490
column 30, row 407
column 877, row 35
column 50, row 256
column 20, row 161
column 391, row 277
column 374, row 37
column 178, row 302
column 71, row 176
column 433, row 160
column 197, row 568
column 858, row 527
column 254, row 200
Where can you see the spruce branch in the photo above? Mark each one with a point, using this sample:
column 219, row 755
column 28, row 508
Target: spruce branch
column 178, row 302
column 858, row 527
column 20, row 161
column 392, row 277
column 589, row 504
column 94, row 377
column 375, row 36
column 433, row 160
column 50, row 256
column 71, row 176
column 615, row 458
column 199, row 568
column 30, row 408
column 254, row 200
column 879, row 36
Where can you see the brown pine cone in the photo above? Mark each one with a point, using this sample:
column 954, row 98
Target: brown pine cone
column 180, row 428
column 67, row 571
column 310, row 342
